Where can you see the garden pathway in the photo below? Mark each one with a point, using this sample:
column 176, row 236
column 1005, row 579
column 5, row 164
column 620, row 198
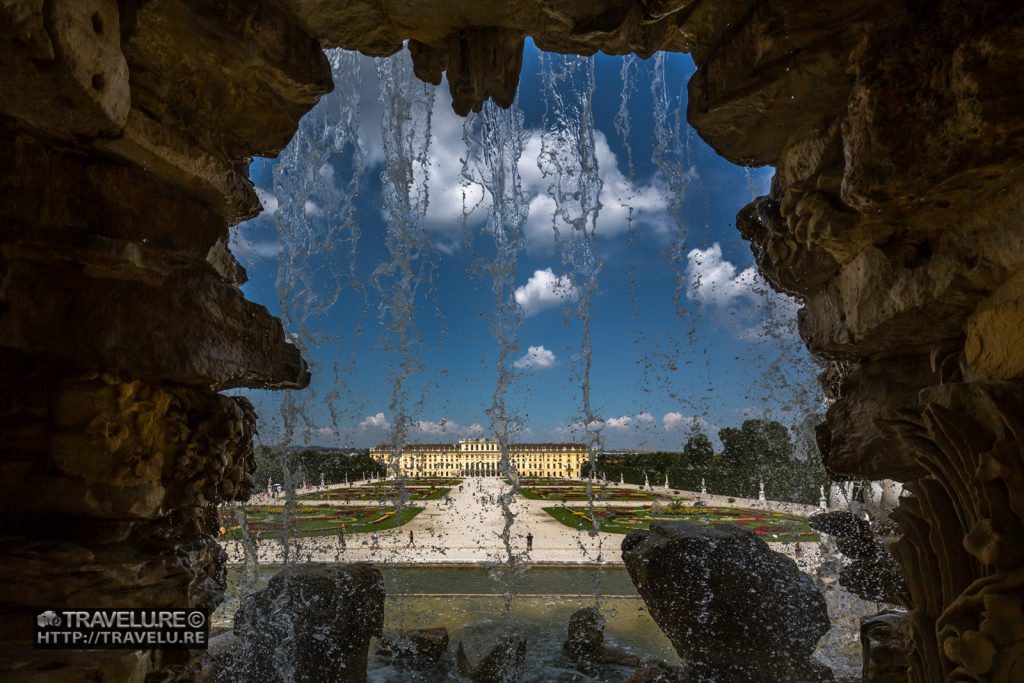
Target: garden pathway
column 467, row 529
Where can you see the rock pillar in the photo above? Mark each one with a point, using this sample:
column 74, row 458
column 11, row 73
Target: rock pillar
column 896, row 215
column 125, row 132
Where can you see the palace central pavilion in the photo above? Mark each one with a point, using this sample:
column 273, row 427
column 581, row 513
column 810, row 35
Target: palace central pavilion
column 481, row 458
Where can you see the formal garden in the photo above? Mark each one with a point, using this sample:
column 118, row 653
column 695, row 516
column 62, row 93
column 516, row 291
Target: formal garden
column 533, row 489
column 264, row 521
column 433, row 488
column 773, row 527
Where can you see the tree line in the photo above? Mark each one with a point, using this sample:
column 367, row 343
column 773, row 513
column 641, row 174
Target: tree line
column 308, row 465
column 758, row 450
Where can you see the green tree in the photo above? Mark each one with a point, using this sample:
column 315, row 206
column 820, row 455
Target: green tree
column 698, row 451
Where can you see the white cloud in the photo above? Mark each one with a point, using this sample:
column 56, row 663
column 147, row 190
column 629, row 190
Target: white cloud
column 617, row 196
column 713, row 280
column 535, row 358
column 268, row 200
column 442, row 426
column 739, row 297
column 674, row 420
column 628, row 421
column 377, row 421
column 451, row 196
column 248, row 249
column 474, row 429
column 544, row 290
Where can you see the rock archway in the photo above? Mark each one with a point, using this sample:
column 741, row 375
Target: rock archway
column 897, row 133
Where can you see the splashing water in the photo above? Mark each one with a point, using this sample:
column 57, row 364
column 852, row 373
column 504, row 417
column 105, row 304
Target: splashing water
column 408, row 106
column 317, row 183
column 569, row 159
column 494, row 141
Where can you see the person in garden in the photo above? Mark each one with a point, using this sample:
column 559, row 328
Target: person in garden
column 529, row 541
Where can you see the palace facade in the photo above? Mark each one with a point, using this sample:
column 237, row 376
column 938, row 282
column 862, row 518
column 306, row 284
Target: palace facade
column 481, row 458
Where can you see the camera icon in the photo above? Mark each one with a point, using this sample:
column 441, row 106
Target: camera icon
column 48, row 618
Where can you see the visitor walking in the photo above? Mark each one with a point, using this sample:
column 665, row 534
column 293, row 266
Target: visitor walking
column 529, row 541
column 374, row 541
column 341, row 535
column 411, row 541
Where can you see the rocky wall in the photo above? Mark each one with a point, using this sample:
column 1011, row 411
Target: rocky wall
column 125, row 132
column 895, row 129
column 895, row 215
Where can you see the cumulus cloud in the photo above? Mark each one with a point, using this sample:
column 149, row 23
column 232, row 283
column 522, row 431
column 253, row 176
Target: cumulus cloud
column 544, row 290
column 249, row 249
column 442, row 426
column 377, row 421
column 535, row 358
column 474, row 429
column 628, row 421
column 454, row 199
column 673, row 421
column 739, row 297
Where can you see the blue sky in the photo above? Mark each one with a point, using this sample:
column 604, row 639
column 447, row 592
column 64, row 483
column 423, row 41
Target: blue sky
column 715, row 349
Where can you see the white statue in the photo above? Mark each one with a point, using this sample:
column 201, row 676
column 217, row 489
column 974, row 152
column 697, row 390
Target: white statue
column 321, row 480
column 760, row 491
column 703, row 487
column 622, row 480
column 647, row 482
column 666, row 480
column 822, row 503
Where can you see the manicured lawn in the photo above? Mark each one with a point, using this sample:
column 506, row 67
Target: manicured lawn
column 319, row 520
column 773, row 527
column 418, row 489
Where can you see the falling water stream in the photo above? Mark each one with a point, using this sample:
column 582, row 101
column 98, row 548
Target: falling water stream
column 318, row 184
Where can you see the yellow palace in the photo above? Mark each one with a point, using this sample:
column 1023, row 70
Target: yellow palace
column 481, row 458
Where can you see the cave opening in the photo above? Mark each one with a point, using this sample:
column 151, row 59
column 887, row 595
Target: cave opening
column 131, row 423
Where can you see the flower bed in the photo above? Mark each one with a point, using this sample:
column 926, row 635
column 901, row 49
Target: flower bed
column 316, row 520
column 773, row 527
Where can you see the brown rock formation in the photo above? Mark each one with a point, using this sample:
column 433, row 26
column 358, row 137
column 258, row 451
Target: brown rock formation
column 895, row 214
column 125, row 131
column 885, row 639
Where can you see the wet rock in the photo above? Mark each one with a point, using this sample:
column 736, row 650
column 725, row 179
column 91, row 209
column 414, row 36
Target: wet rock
column 886, row 644
column 415, row 648
column 585, row 642
column 312, row 622
column 586, row 635
column 872, row 573
column 733, row 609
column 503, row 664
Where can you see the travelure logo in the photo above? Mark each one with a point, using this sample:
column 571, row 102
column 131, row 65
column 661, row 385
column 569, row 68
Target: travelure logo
column 109, row 628
column 48, row 618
